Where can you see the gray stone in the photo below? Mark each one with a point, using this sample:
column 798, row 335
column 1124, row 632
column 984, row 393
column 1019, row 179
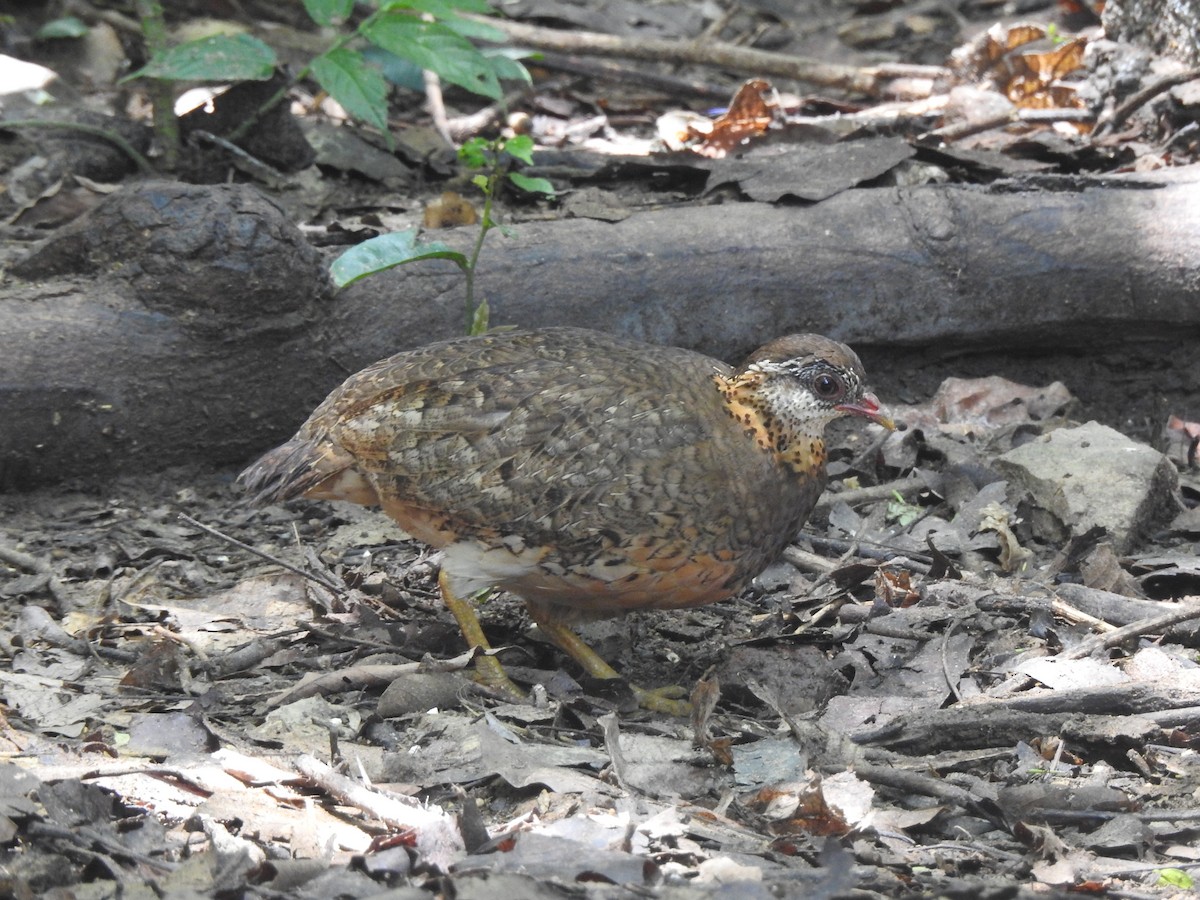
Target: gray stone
column 1166, row 26
column 1077, row 478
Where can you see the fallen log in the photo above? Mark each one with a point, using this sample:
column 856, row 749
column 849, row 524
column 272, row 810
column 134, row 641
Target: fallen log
column 190, row 324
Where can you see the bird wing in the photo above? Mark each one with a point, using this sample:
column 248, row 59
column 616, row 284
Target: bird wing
column 549, row 444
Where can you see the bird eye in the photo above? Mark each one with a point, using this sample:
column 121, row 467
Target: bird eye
column 828, row 387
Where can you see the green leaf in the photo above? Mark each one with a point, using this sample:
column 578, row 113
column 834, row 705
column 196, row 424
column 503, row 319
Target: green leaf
column 385, row 252
column 1176, row 878
column 221, row 57
column 469, row 28
column 482, row 182
column 66, row 27
column 329, row 12
column 440, row 7
column 533, row 185
column 479, row 319
column 520, row 147
column 446, row 12
column 505, row 61
column 354, row 84
column 902, row 512
column 474, row 152
column 435, row 47
column 403, row 73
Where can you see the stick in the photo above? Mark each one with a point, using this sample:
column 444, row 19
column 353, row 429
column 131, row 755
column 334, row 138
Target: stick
column 882, row 80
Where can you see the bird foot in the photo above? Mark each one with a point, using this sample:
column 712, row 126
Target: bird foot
column 490, row 674
column 666, row 700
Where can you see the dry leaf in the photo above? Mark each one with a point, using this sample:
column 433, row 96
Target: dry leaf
column 449, row 210
column 750, row 115
column 1016, row 62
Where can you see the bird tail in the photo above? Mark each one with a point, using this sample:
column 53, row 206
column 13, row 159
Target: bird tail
column 290, row 470
column 307, row 466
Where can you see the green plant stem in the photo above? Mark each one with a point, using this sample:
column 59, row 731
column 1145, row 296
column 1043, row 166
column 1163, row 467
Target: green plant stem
column 112, row 137
column 162, row 99
column 485, row 225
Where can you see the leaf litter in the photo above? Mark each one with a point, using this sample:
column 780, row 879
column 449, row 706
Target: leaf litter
column 941, row 690
column 315, row 728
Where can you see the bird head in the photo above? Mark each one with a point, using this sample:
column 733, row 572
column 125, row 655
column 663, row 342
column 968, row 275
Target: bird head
column 804, row 381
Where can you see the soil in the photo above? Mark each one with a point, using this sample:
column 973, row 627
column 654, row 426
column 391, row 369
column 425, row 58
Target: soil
column 927, row 697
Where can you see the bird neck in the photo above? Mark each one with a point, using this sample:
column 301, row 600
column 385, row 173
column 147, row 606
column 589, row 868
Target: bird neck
column 747, row 399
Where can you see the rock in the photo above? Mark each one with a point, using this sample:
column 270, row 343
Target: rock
column 1074, row 479
column 1166, row 26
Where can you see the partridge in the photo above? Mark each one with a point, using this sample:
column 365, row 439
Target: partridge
column 583, row 472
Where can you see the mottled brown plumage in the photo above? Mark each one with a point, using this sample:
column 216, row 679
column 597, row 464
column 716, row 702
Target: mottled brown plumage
column 582, row 472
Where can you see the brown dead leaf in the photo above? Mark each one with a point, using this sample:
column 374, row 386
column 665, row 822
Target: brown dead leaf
column 750, row 115
column 1187, row 434
column 159, row 667
column 449, row 210
column 894, row 587
column 997, row 519
column 60, row 203
column 797, row 808
column 996, row 401
column 1022, row 63
column 820, row 806
column 1102, row 570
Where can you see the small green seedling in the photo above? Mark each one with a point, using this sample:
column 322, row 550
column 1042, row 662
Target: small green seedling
column 493, row 157
column 1176, row 878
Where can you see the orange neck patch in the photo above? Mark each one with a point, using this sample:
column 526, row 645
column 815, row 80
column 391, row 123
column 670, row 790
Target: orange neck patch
column 745, row 402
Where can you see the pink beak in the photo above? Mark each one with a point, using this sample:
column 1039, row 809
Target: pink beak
column 869, row 408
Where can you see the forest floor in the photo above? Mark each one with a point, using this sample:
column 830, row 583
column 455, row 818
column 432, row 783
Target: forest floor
column 954, row 684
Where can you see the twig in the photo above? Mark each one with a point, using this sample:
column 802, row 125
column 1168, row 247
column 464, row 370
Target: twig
column 1077, row 616
column 363, row 676
column 455, row 130
column 251, row 164
column 1135, row 101
column 112, row 137
column 616, row 72
column 882, row 80
column 328, row 583
column 35, row 622
column 1150, row 625
column 437, row 836
column 611, row 729
column 19, row 560
column 436, row 106
column 917, row 783
column 83, row 837
column 905, row 487
column 246, row 657
column 807, row 561
column 961, row 130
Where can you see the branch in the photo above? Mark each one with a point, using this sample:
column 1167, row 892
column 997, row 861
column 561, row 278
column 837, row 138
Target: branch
column 888, row 80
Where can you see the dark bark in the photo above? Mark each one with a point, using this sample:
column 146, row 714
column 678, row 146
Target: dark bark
column 174, row 325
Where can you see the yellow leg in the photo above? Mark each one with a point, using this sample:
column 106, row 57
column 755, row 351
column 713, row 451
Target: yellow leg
column 488, row 670
column 659, row 700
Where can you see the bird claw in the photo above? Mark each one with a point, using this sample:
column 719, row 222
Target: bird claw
column 490, row 674
column 664, row 700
